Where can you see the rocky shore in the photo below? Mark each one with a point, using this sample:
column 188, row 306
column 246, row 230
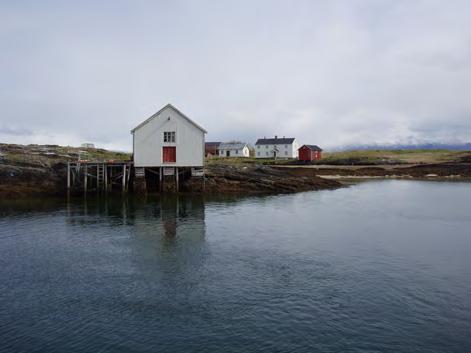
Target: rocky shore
column 41, row 170
column 257, row 179
column 442, row 171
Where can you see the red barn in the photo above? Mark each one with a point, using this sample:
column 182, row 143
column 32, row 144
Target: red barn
column 309, row 153
column 211, row 149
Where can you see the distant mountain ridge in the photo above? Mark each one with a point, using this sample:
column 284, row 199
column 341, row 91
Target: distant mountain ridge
column 423, row 146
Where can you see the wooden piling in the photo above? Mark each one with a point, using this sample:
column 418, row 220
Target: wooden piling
column 68, row 175
column 176, row 178
column 85, row 180
column 105, row 186
column 160, row 178
column 124, row 178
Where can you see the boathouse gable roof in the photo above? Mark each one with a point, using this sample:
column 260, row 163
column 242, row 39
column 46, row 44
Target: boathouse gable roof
column 160, row 111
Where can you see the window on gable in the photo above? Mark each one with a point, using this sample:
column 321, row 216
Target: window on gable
column 169, row 136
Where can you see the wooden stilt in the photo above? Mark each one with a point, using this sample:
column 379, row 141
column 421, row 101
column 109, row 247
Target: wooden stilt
column 85, row 180
column 111, row 178
column 160, row 178
column 124, row 178
column 105, row 186
column 68, row 175
column 176, row 178
column 128, row 176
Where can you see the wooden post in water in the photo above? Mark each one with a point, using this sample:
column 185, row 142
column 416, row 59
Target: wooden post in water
column 160, row 178
column 111, row 177
column 105, row 186
column 124, row 177
column 128, row 178
column 85, row 179
column 176, row 177
column 68, row 175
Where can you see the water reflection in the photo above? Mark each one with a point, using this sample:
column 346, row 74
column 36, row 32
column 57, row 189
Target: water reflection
column 166, row 215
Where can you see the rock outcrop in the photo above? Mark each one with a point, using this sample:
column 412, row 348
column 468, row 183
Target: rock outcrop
column 256, row 179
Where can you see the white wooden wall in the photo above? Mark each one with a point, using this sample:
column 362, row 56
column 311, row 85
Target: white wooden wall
column 290, row 151
column 148, row 141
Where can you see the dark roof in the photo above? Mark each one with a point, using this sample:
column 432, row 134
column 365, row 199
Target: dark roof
column 312, row 147
column 232, row 145
column 276, row 141
column 210, row 144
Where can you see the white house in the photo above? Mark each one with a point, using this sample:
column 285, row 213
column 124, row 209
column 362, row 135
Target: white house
column 87, row 145
column 234, row 149
column 286, row 147
column 168, row 139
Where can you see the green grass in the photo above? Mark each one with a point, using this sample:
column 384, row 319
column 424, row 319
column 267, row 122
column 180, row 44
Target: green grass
column 395, row 156
column 40, row 155
column 371, row 157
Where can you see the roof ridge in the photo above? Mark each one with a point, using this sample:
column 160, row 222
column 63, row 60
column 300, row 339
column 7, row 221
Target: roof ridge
column 168, row 105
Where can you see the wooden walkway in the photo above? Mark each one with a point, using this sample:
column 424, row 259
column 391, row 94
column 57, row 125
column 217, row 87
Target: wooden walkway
column 102, row 177
column 98, row 176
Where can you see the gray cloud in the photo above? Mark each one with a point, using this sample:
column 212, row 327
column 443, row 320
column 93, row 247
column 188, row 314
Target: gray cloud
column 327, row 72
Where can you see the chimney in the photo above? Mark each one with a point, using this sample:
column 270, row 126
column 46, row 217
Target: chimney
column 276, row 137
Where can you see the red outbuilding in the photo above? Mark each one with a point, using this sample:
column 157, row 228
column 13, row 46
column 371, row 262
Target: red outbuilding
column 309, row 153
column 211, row 149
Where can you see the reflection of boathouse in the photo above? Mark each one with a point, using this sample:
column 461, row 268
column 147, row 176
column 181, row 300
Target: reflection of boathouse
column 165, row 232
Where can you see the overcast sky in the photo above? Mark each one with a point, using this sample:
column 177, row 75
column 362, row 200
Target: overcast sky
column 329, row 72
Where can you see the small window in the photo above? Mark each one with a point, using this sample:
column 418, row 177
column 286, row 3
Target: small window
column 266, row 153
column 286, row 146
column 286, row 153
column 258, row 146
column 258, row 153
column 266, row 146
column 169, row 136
column 237, row 151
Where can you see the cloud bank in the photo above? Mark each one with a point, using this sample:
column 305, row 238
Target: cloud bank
column 330, row 73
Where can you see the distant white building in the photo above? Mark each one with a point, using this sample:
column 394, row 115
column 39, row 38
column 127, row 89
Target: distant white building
column 168, row 139
column 87, row 145
column 286, row 147
column 234, row 149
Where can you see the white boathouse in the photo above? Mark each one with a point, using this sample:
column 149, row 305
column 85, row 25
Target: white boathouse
column 168, row 144
column 168, row 139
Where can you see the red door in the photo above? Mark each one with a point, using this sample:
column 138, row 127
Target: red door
column 169, row 154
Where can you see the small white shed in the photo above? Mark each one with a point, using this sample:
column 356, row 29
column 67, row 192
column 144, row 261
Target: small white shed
column 168, row 139
column 234, row 149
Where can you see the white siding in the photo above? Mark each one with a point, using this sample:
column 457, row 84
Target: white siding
column 233, row 153
column 148, row 141
column 284, row 151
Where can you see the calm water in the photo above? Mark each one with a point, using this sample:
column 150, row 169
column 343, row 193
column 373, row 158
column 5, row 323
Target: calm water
column 377, row 267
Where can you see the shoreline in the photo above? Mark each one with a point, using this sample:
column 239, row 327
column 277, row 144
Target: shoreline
column 41, row 170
